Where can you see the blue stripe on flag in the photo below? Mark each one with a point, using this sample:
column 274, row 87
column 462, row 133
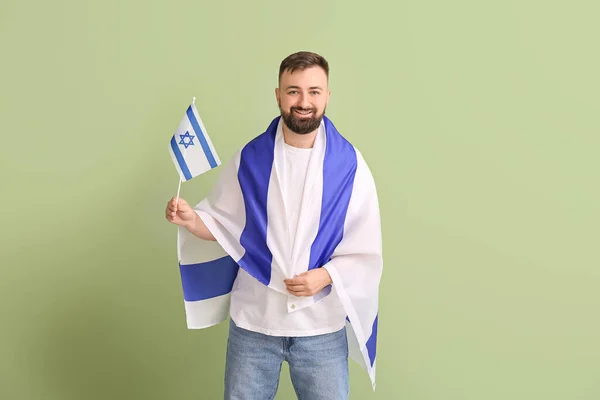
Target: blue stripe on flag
column 201, row 138
column 339, row 169
column 209, row 279
column 254, row 173
column 180, row 160
column 372, row 342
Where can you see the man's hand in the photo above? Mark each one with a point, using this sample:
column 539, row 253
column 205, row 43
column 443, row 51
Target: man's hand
column 308, row 283
column 180, row 212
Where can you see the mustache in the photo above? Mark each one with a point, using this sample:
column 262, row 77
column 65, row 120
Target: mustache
column 314, row 110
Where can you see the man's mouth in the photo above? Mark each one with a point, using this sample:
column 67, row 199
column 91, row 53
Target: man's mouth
column 303, row 113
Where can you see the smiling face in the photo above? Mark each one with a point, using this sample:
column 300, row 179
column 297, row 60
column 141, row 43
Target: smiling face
column 302, row 97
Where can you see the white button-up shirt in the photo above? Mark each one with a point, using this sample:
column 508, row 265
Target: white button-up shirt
column 259, row 308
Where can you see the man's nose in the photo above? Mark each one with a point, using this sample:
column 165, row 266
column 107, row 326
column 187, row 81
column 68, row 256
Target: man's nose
column 303, row 101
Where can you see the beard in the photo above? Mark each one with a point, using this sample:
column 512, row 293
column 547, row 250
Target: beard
column 301, row 126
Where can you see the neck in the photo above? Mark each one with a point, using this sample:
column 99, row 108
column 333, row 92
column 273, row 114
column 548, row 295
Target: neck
column 305, row 141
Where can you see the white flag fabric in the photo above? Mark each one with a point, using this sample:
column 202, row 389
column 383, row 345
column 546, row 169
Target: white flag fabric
column 190, row 147
column 339, row 229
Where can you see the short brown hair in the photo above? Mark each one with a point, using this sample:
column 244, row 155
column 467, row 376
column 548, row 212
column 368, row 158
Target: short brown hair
column 302, row 60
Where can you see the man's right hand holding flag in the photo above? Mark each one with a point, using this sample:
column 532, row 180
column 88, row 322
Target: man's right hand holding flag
column 179, row 212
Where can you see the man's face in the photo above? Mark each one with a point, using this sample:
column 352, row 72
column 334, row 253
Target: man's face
column 302, row 98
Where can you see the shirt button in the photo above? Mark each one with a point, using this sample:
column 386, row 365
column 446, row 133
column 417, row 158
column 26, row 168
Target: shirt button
column 293, row 306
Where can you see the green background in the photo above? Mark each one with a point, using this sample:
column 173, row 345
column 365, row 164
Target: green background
column 479, row 120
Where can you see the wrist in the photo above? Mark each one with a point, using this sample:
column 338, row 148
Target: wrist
column 190, row 225
column 326, row 277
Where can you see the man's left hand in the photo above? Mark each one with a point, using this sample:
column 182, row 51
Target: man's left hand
column 308, row 283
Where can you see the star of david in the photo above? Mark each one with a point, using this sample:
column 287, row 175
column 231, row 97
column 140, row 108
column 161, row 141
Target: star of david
column 187, row 136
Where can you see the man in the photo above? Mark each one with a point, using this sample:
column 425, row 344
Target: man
column 296, row 209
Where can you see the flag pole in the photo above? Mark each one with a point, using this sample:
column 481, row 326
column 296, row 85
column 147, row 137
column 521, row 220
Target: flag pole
column 184, row 152
column 178, row 189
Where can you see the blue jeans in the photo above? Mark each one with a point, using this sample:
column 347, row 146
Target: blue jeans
column 318, row 365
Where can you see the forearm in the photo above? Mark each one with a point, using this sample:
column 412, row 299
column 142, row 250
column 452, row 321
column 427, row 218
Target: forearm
column 198, row 228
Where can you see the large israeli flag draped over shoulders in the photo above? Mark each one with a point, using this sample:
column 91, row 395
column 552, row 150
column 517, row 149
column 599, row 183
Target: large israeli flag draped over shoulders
column 339, row 229
column 190, row 147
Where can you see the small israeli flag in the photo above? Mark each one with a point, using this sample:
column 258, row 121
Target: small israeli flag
column 191, row 149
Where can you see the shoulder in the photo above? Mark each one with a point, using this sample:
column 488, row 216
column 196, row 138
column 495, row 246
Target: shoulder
column 263, row 141
column 362, row 167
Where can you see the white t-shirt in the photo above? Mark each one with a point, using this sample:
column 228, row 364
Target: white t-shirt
column 294, row 175
column 258, row 308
